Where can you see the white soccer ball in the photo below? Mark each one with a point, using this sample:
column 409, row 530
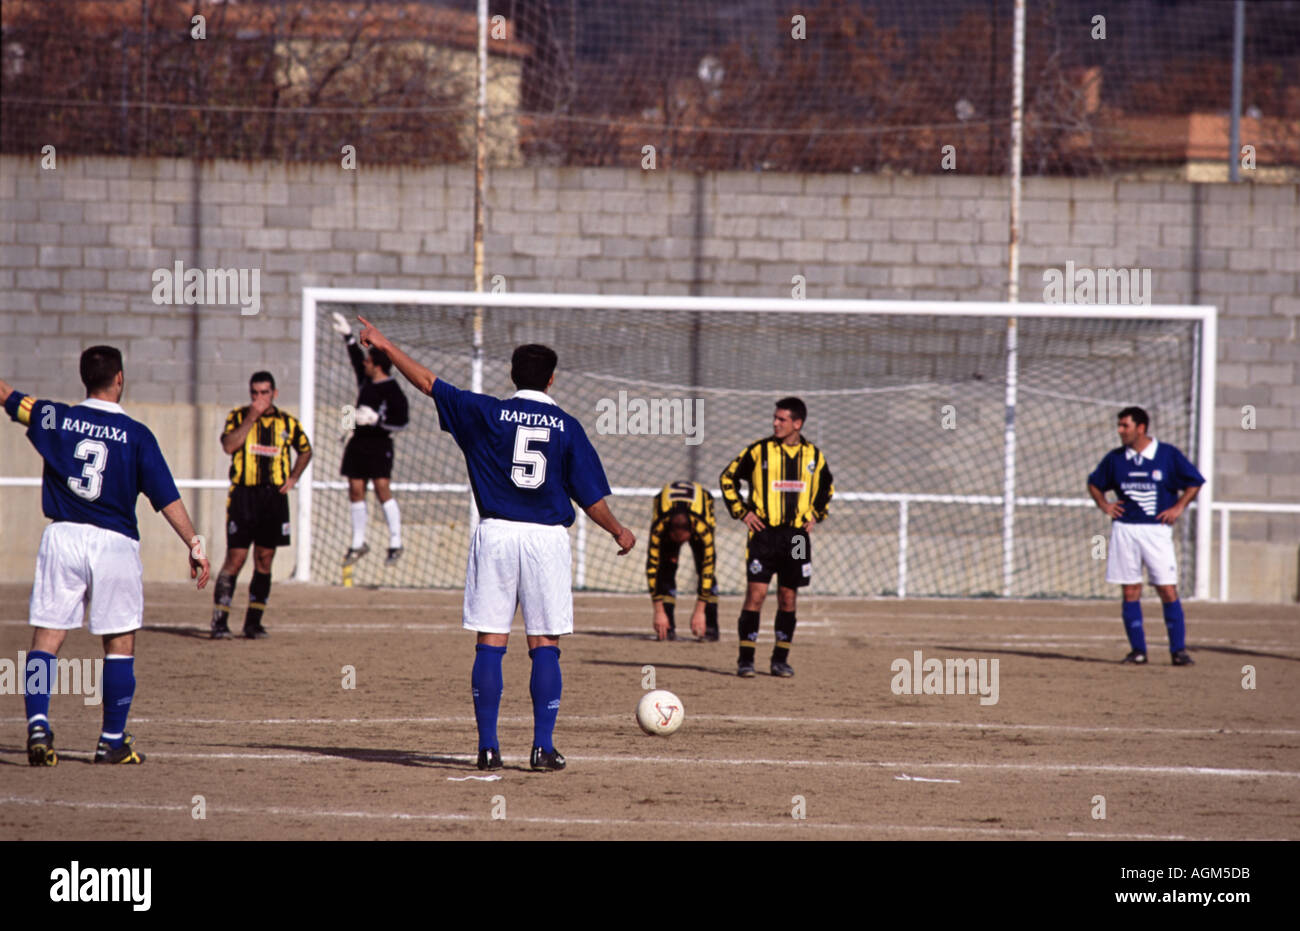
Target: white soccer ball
column 659, row 713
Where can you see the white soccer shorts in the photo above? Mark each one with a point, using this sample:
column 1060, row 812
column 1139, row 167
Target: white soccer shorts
column 77, row 563
column 1132, row 546
column 513, row 563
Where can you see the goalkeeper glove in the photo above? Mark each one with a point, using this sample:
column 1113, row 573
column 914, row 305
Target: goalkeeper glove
column 366, row 416
column 341, row 326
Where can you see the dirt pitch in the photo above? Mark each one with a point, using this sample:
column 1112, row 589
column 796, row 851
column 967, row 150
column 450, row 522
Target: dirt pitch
column 277, row 748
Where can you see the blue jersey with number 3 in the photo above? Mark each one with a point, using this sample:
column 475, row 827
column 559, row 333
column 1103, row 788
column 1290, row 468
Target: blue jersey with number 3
column 97, row 461
column 525, row 456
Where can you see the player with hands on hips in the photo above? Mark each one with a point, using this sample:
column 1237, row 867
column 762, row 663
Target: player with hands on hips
column 97, row 461
column 1154, row 482
column 527, row 460
column 381, row 410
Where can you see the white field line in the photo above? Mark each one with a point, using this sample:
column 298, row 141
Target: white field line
column 601, row 719
column 1119, row 768
column 788, row 824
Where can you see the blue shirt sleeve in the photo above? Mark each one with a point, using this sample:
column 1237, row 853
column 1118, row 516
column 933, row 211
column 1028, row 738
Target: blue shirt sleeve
column 447, row 398
column 1102, row 477
column 1186, row 475
column 153, row 477
column 584, row 476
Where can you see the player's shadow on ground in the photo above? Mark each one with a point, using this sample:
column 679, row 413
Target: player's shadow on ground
column 198, row 633
column 1238, row 651
column 1032, row 654
column 422, row 760
column 614, row 633
column 661, row 665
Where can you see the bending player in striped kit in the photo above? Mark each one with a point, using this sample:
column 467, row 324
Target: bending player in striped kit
column 526, row 459
column 1154, row 483
column 97, row 462
column 683, row 513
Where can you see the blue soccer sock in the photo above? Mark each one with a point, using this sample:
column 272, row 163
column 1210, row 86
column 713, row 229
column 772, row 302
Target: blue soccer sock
column 119, row 689
column 1174, row 625
column 546, row 684
column 487, row 685
column 1132, row 612
column 38, row 681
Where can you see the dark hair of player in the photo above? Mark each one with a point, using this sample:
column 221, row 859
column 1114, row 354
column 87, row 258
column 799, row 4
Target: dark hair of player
column 798, row 410
column 262, row 376
column 99, row 366
column 380, row 358
column 1137, row 415
column 532, row 366
column 679, row 521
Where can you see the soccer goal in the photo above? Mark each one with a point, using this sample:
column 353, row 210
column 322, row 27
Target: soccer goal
column 960, row 435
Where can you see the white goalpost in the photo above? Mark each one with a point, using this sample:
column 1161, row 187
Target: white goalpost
column 934, row 350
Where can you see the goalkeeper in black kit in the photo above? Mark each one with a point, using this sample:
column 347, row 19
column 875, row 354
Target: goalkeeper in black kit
column 683, row 513
column 381, row 411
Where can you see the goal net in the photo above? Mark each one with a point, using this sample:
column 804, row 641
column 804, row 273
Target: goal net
column 959, row 444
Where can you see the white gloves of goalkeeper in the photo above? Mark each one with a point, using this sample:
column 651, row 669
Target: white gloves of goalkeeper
column 341, row 325
column 366, row 416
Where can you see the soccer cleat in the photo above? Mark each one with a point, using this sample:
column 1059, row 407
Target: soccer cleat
column 489, row 758
column 125, row 754
column 1136, row 658
column 745, row 670
column 355, row 553
column 711, row 635
column 672, row 633
column 394, row 554
column 1181, row 658
column 220, row 630
column 542, row 762
column 256, row 632
column 781, row 670
column 40, row 747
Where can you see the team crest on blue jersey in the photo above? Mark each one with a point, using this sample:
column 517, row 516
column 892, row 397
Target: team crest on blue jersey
column 1157, row 475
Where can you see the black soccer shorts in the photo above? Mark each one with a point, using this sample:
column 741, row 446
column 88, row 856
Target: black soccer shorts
column 256, row 514
column 368, row 456
column 785, row 551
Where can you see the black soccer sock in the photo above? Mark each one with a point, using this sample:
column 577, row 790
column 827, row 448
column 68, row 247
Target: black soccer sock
column 748, row 629
column 259, row 590
column 671, row 610
column 785, row 621
column 711, row 616
column 222, row 594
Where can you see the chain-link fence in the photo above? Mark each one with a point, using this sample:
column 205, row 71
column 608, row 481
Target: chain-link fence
column 824, row 86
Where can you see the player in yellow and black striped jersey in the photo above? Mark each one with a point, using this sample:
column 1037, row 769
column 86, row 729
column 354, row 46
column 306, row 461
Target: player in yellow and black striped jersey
column 790, row 489
column 259, row 439
column 683, row 513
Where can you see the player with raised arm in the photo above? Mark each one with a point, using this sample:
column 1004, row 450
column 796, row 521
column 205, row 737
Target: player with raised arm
column 1154, row 482
column 380, row 412
column 97, row 462
column 526, row 459
column 683, row 513
column 258, row 438
column 789, row 491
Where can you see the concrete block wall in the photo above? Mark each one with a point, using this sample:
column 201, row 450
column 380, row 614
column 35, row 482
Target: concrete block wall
column 78, row 246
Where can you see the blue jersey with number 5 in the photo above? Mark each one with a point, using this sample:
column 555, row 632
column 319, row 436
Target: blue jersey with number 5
column 97, row 461
column 525, row 456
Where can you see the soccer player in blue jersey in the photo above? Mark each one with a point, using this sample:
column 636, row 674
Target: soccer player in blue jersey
column 526, row 459
column 97, row 461
column 1153, row 482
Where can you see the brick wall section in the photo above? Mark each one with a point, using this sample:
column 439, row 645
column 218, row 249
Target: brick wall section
column 78, row 246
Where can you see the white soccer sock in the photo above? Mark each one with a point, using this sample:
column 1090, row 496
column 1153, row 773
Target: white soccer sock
column 394, row 517
column 358, row 524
